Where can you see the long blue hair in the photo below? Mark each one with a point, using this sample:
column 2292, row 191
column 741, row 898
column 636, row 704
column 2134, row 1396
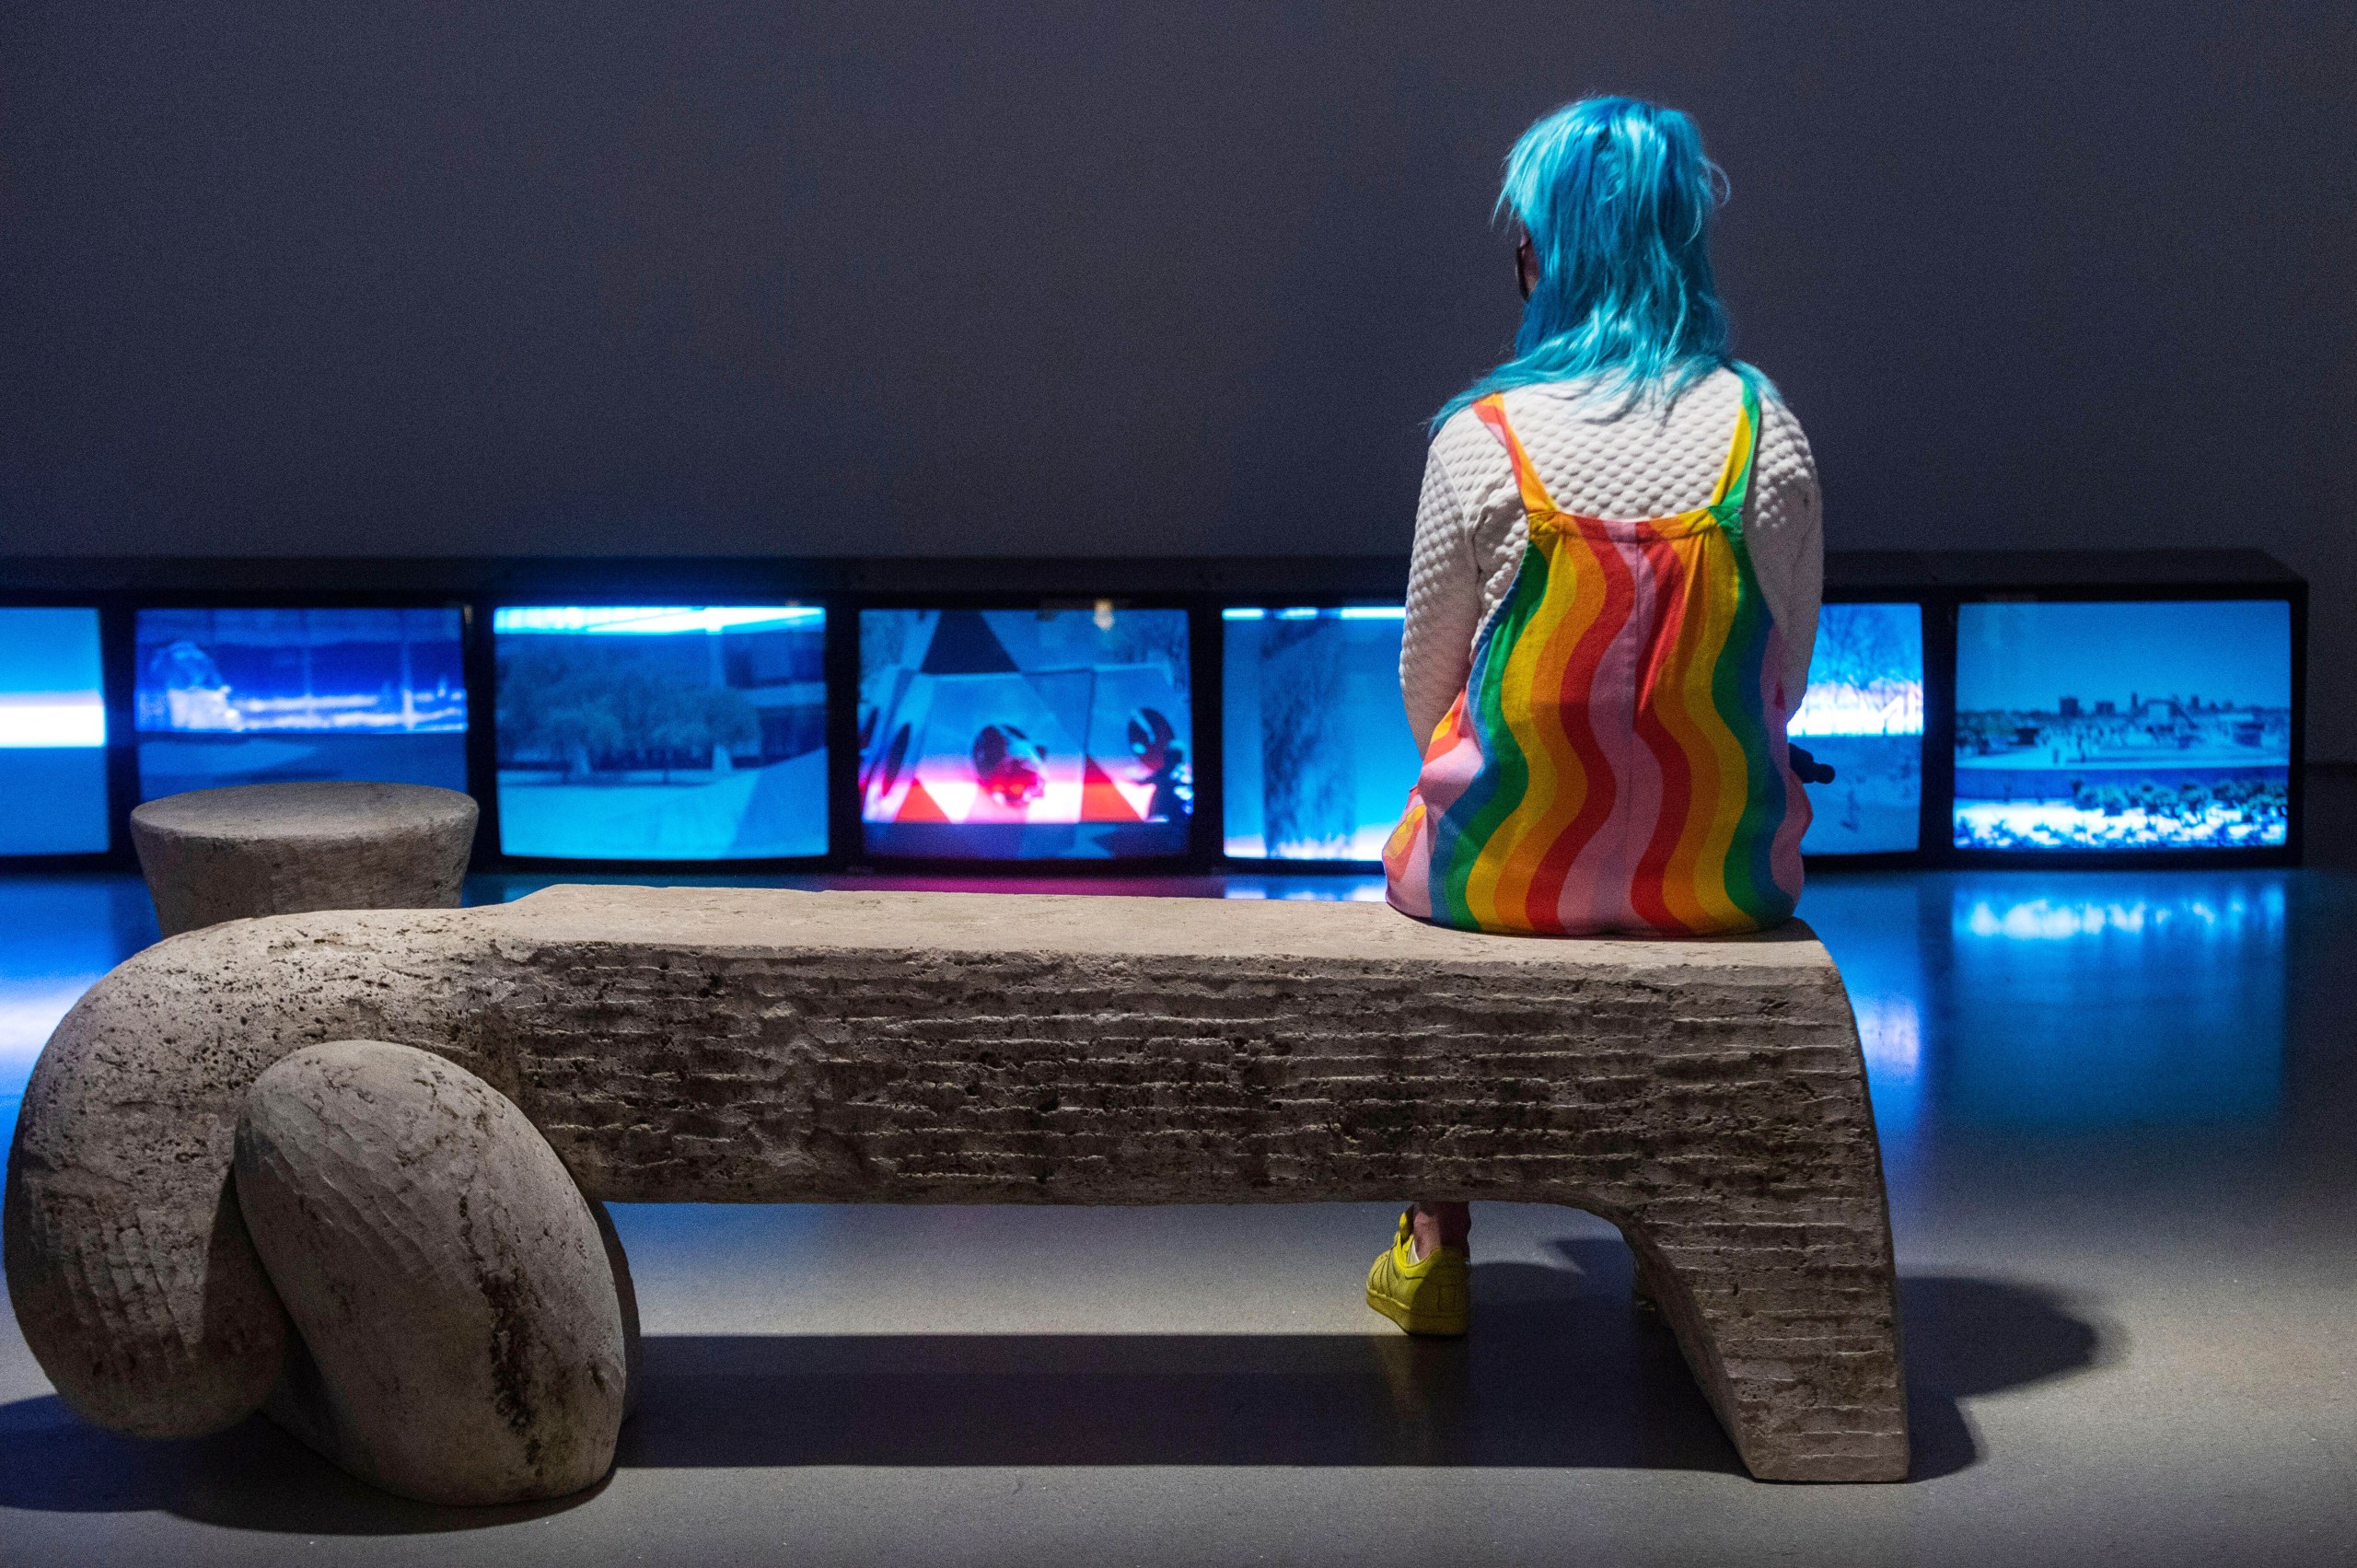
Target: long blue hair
column 1617, row 197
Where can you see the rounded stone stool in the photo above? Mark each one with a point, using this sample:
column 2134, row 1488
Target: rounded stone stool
column 216, row 854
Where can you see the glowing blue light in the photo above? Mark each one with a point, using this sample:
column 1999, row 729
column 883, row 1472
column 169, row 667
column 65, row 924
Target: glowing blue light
column 1236, row 614
column 654, row 620
column 1375, row 612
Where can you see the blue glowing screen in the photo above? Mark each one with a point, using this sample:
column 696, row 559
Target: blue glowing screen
column 53, row 733
column 1025, row 735
column 1318, row 756
column 2127, row 726
column 1864, row 718
column 662, row 733
column 260, row 696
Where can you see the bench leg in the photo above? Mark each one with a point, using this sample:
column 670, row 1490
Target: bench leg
column 1790, row 1324
column 465, row 1321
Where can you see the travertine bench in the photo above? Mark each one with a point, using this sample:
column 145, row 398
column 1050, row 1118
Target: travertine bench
column 697, row 1045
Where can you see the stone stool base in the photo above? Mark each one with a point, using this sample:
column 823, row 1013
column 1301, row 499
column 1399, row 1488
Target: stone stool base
column 216, row 854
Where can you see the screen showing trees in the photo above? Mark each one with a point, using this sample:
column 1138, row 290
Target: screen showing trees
column 53, row 733
column 263, row 696
column 2140, row 725
column 666, row 733
column 1025, row 735
column 1318, row 758
column 1864, row 718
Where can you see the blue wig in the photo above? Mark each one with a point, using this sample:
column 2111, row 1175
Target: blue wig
column 1617, row 198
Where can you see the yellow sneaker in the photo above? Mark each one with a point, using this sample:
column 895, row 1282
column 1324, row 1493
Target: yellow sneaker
column 1431, row 1295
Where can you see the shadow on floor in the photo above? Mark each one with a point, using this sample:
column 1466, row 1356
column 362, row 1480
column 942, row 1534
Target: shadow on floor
column 251, row 1477
column 1562, row 1373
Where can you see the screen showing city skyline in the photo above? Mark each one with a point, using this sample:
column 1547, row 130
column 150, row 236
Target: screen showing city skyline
column 2146, row 726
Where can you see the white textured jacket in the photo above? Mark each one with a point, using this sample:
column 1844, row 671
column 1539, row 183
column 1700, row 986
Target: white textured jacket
column 1600, row 461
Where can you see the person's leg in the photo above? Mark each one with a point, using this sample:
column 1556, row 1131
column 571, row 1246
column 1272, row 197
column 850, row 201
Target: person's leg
column 1439, row 1224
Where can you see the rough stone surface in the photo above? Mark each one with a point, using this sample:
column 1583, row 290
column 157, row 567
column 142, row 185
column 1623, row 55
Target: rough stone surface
column 1709, row 1097
column 463, row 1340
column 216, row 854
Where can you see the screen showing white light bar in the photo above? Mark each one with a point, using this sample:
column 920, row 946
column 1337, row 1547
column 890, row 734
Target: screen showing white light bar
column 53, row 733
column 1318, row 758
column 1864, row 718
column 265, row 696
column 2132, row 725
column 662, row 732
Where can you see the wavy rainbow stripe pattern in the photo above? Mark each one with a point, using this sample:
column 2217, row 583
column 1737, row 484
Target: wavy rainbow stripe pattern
column 1616, row 760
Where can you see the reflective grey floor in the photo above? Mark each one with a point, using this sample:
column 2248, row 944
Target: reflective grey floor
column 2118, row 1113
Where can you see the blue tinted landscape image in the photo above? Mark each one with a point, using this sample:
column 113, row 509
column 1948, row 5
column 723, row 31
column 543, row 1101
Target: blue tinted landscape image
column 2133, row 726
column 53, row 733
column 1319, row 758
column 259, row 696
column 1026, row 735
column 1863, row 716
column 662, row 733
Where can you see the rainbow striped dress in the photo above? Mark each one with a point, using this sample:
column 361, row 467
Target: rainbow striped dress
column 1617, row 760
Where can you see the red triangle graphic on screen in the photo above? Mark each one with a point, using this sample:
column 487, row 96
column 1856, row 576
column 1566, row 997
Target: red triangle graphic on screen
column 920, row 806
column 1099, row 800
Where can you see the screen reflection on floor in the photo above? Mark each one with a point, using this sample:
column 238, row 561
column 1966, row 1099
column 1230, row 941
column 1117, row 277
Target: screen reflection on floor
column 2078, row 1001
column 2011, row 1002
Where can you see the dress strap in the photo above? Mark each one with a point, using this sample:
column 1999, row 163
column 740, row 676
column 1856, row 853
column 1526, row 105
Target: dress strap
column 1492, row 412
column 1735, row 477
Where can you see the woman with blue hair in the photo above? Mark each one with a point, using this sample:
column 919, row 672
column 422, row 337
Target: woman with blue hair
column 1613, row 598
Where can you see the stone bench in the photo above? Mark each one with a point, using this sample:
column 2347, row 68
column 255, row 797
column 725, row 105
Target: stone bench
column 699, row 1045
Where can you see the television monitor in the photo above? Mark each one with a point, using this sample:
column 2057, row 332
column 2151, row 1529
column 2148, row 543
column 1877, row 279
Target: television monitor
column 1024, row 734
column 53, row 733
column 266, row 696
column 662, row 733
column 2123, row 725
column 1862, row 716
column 1316, row 755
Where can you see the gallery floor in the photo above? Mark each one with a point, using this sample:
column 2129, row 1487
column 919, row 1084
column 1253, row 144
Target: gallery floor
column 2120, row 1114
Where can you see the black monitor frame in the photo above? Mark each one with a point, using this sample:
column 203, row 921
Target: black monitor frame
column 1939, row 582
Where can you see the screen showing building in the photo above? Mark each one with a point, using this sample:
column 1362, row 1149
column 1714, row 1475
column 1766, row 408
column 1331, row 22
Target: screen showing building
column 1025, row 735
column 1318, row 758
column 1863, row 718
column 2128, row 727
column 668, row 733
column 266, row 696
column 53, row 733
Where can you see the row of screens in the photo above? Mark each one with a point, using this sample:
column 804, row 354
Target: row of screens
column 701, row 733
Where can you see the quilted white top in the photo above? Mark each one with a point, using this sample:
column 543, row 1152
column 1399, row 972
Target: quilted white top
column 1600, row 461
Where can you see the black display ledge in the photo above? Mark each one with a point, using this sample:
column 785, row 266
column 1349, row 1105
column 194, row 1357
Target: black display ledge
column 1848, row 574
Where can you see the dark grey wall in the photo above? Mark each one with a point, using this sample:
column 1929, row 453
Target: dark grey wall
column 911, row 275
